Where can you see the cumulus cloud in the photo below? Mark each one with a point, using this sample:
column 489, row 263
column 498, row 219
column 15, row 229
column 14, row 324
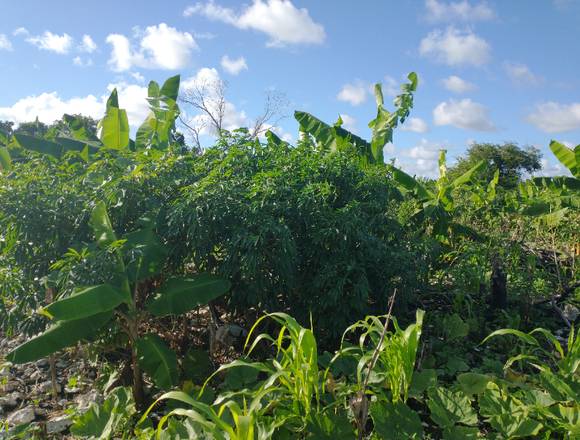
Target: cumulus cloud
column 521, row 74
column 279, row 19
column 49, row 107
column 354, row 93
column 441, row 11
column 421, row 159
column 464, row 114
column 233, row 66
column 87, row 45
column 20, row 31
column 81, row 62
column 455, row 48
column 5, row 43
column 457, row 85
column 550, row 169
column 160, row 47
column 60, row 44
column 554, row 117
column 348, row 123
column 416, row 125
column 391, row 86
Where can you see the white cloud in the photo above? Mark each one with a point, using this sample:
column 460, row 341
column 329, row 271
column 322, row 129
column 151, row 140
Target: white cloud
column 550, row 169
column 464, row 114
column 420, row 160
column 554, row 117
column 20, row 31
column 138, row 77
column 49, row 107
column 521, row 74
column 160, row 47
column 440, row 11
column 5, row 43
column 455, row 48
column 354, row 93
column 458, row 85
column 391, row 86
column 233, row 66
column 416, row 125
column 348, row 123
column 81, row 62
column 88, row 45
column 60, row 44
column 279, row 19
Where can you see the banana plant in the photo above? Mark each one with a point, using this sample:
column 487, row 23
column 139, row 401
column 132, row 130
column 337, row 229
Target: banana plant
column 549, row 199
column 437, row 206
column 331, row 138
column 136, row 292
column 156, row 132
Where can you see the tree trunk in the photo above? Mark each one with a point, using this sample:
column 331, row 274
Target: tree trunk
column 138, row 391
column 498, row 285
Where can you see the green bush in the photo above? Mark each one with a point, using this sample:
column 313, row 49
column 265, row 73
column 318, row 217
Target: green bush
column 296, row 230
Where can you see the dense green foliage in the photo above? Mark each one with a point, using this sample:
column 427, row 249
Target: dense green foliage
column 114, row 240
column 511, row 161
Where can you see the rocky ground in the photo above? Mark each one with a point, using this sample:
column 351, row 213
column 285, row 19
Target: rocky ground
column 26, row 392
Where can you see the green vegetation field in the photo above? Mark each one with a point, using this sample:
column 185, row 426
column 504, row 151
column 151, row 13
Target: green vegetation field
column 258, row 289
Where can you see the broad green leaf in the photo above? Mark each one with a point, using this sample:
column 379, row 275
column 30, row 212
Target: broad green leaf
column 170, row 88
column 473, row 383
column 466, row 177
column 103, row 421
column 5, row 160
column 147, row 254
column 455, row 327
column 422, row 380
column 157, row 360
column 379, row 95
column 508, row 331
column 515, row 426
column 78, row 130
column 327, row 136
column 461, row 433
column 450, row 407
column 101, row 225
column 395, row 421
column 566, row 156
column 197, row 365
column 329, row 426
column 87, row 302
column 115, row 125
column 62, row 334
column 39, row 145
column 70, row 144
column 409, row 183
column 180, row 295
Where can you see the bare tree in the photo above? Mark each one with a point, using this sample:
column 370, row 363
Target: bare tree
column 206, row 110
column 275, row 110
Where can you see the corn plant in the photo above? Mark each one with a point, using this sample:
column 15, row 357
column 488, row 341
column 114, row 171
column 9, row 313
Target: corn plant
column 397, row 352
column 565, row 361
column 293, row 374
column 225, row 420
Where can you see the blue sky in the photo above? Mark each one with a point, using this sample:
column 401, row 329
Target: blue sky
column 490, row 71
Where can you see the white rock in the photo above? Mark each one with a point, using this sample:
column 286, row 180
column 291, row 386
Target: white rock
column 8, row 402
column 24, row 415
column 58, row 424
column 571, row 312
